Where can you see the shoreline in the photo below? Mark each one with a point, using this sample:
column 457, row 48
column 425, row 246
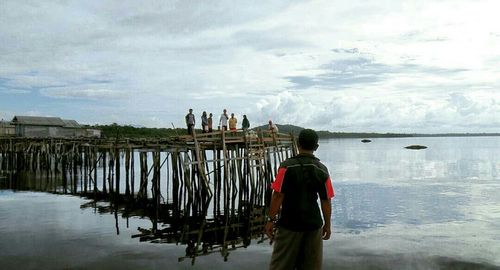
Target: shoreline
column 401, row 135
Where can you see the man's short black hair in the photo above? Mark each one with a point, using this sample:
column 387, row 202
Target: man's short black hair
column 308, row 139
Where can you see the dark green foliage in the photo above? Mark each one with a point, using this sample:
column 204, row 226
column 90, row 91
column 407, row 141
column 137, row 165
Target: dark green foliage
column 327, row 134
column 114, row 130
column 127, row 131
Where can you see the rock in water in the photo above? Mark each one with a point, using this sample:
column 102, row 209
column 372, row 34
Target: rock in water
column 416, row 147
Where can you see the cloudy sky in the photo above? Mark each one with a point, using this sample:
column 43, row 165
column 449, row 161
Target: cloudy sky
column 383, row 66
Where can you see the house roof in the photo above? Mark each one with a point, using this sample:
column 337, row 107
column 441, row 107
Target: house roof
column 6, row 124
column 38, row 121
column 71, row 123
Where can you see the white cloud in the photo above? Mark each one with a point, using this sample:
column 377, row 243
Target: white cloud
column 471, row 112
column 14, row 91
column 377, row 66
column 82, row 93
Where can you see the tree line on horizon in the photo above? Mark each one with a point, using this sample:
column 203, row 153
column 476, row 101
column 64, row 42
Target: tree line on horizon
column 128, row 131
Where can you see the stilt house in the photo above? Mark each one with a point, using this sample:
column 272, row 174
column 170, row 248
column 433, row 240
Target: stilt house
column 50, row 127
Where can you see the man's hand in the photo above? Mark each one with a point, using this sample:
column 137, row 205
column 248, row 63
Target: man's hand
column 326, row 232
column 269, row 230
column 326, row 208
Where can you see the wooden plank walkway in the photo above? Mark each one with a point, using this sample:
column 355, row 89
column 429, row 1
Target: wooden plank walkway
column 207, row 191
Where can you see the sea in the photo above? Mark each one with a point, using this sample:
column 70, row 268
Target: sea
column 394, row 208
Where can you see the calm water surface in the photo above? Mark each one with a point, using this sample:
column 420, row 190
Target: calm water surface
column 394, row 208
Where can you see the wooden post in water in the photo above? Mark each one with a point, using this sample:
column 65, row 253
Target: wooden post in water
column 225, row 195
column 76, row 161
column 111, row 164
column 144, row 176
column 94, row 164
column 217, row 181
column 175, row 185
column 63, row 171
column 86, row 172
column 117, row 170
column 104, row 161
column 127, row 172
column 132, row 173
column 155, row 189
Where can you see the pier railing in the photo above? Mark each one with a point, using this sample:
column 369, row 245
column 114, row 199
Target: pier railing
column 208, row 191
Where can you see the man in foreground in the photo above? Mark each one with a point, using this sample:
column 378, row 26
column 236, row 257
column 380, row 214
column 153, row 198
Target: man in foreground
column 301, row 228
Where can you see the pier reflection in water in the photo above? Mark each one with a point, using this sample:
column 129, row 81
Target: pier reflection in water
column 208, row 192
column 394, row 208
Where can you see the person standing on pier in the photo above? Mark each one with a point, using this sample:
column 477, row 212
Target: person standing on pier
column 190, row 121
column 223, row 120
column 204, row 122
column 245, row 125
column 232, row 123
column 210, row 122
column 300, row 227
column 272, row 127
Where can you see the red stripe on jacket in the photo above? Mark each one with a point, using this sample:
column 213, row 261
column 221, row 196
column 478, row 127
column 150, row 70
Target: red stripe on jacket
column 329, row 188
column 278, row 182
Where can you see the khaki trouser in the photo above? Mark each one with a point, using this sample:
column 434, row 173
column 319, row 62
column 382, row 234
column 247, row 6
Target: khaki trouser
column 297, row 250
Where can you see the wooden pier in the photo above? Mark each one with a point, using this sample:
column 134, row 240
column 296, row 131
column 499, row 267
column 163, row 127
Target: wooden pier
column 207, row 191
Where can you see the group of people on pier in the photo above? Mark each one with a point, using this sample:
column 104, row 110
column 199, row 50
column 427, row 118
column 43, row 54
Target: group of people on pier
column 225, row 122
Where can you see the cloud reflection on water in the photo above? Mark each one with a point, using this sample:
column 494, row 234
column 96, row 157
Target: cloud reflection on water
column 394, row 208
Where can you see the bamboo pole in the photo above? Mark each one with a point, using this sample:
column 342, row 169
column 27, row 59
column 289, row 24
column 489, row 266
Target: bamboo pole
column 86, row 169
column 63, row 172
column 127, row 172
column 132, row 173
column 155, row 187
column 117, row 170
column 175, row 186
column 104, row 161
column 225, row 196
column 111, row 164
column 143, row 178
column 94, row 163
